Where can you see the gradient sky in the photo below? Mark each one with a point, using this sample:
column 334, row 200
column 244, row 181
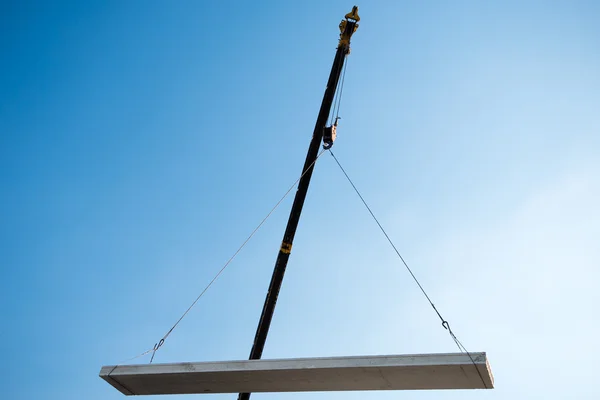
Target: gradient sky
column 142, row 141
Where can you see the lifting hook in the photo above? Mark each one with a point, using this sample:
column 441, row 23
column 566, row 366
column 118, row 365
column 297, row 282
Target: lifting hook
column 329, row 134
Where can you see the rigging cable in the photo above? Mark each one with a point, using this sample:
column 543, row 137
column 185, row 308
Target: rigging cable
column 338, row 95
column 445, row 323
column 159, row 344
column 337, row 113
column 332, row 112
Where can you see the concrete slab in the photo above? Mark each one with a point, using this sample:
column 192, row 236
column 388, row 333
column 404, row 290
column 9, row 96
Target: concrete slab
column 389, row 372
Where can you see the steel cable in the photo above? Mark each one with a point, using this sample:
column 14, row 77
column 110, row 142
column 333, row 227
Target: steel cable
column 445, row 323
column 160, row 343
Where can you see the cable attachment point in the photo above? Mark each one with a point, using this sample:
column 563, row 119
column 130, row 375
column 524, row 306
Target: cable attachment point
column 156, row 347
column 329, row 134
column 446, row 326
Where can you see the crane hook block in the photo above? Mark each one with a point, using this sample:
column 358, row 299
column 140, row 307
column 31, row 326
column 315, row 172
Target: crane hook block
column 329, row 134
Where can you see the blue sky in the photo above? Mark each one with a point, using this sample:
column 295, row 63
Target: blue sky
column 141, row 142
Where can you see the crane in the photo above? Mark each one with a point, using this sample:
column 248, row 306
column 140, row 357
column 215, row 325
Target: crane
column 387, row 372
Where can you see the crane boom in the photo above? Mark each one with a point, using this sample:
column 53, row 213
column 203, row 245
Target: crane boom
column 347, row 27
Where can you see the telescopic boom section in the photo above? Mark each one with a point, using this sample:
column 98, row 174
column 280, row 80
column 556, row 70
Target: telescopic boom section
column 347, row 27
